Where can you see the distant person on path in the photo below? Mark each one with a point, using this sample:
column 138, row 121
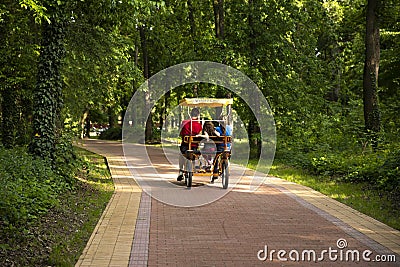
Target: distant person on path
column 191, row 127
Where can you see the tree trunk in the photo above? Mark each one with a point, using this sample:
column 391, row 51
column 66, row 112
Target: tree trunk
column 83, row 121
column 111, row 117
column 192, row 25
column 254, row 129
column 149, row 122
column 87, row 126
column 147, row 94
column 218, row 6
column 167, row 97
column 371, row 69
column 143, row 43
column 47, row 95
column 136, row 57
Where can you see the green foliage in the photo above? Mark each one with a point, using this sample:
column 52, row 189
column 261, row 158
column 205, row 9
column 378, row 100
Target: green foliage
column 66, row 161
column 32, row 185
column 58, row 236
column 39, row 10
column 387, row 175
column 156, row 137
column 18, row 58
column 112, row 134
column 29, row 187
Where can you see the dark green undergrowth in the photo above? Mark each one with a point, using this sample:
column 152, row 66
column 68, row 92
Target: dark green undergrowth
column 29, row 188
column 114, row 133
column 48, row 214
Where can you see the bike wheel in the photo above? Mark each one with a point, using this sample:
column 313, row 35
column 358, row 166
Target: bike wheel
column 189, row 174
column 189, row 179
column 225, row 174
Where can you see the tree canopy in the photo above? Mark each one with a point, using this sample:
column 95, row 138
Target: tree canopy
column 306, row 56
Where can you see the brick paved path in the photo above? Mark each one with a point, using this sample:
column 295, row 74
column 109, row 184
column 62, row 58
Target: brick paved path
column 235, row 229
column 111, row 240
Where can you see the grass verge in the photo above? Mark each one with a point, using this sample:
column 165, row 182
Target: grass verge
column 59, row 237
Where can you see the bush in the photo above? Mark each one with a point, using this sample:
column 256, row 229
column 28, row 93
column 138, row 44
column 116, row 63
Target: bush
column 388, row 174
column 155, row 138
column 29, row 187
column 66, row 160
column 112, row 134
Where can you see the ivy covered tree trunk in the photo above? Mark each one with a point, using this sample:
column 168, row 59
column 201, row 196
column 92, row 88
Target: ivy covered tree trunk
column 48, row 91
column 371, row 68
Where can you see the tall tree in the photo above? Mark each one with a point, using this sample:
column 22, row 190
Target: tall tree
column 146, row 73
column 48, row 92
column 253, row 127
column 371, row 69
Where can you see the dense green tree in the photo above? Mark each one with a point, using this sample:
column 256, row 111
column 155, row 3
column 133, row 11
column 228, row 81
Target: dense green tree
column 18, row 57
column 371, row 69
column 48, row 91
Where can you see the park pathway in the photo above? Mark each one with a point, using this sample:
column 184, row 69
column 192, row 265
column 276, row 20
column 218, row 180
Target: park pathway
column 111, row 240
column 270, row 226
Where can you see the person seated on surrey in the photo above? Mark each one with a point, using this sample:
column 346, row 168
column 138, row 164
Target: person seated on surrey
column 191, row 127
column 209, row 147
column 223, row 131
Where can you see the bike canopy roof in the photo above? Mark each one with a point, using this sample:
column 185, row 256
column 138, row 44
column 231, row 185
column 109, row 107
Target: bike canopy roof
column 206, row 102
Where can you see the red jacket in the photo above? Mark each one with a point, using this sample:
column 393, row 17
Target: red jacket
column 190, row 127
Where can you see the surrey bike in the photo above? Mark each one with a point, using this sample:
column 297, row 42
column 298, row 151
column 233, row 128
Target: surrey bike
column 211, row 158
